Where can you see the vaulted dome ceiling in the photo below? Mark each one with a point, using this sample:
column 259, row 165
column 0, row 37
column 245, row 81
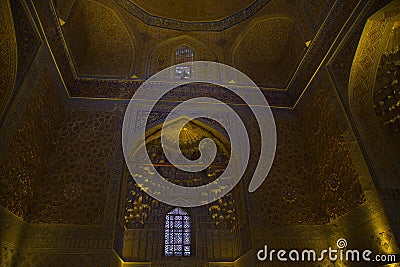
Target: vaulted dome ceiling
column 111, row 47
column 183, row 10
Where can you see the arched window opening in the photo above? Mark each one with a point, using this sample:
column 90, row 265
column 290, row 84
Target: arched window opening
column 177, row 233
column 184, row 55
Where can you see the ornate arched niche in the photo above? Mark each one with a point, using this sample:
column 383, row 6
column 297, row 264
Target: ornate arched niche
column 142, row 218
column 98, row 40
column 372, row 87
column 163, row 55
column 269, row 51
column 375, row 104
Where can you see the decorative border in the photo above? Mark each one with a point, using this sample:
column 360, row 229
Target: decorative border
column 172, row 24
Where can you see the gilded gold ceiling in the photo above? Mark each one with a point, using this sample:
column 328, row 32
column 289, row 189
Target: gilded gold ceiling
column 183, row 10
column 130, row 40
column 269, row 51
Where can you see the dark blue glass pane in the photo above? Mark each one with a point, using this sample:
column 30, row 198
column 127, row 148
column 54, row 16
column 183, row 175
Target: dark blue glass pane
column 186, row 251
column 186, row 225
column 178, row 238
column 186, row 238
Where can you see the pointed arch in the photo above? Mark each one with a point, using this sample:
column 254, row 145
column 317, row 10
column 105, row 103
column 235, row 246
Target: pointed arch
column 269, row 50
column 163, row 55
column 372, row 45
column 96, row 48
column 184, row 55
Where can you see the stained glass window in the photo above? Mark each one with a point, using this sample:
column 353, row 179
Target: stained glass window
column 177, row 233
column 184, row 55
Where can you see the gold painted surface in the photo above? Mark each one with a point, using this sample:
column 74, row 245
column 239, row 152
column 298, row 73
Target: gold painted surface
column 143, row 214
column 315, row 152
column 204, row 10
column 313, row 178
column 372, row 45
column 344, row 193
column 8, row 55
column 269, row 51
column 74, row 187
column 26, row 159
column 58, row 164
column 379, row 143
column 386, row 93
column 220, row 44
column 98, row 40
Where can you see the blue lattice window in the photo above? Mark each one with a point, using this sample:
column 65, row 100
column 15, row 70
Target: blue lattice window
column 177, row 233
column 184, row 55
